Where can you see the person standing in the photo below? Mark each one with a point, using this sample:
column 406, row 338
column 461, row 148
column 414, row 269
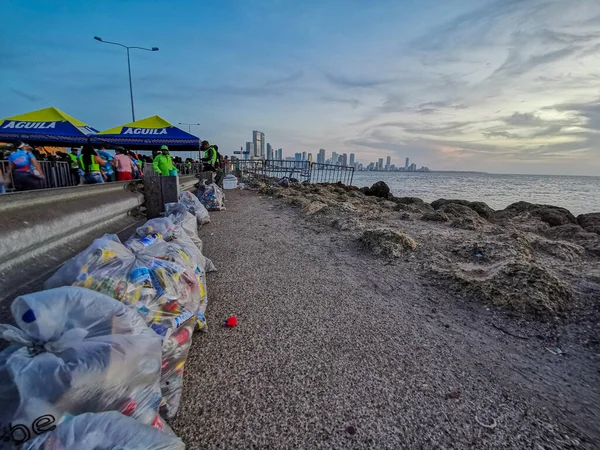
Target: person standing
column 163, row 163
column 91, row 165
column 26, row 169
column 107, row 171
column 123, row 165
column 210, row 156
column 75, row 170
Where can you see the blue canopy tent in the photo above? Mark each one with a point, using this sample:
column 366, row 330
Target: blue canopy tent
column 146, row 134
column 45, row 126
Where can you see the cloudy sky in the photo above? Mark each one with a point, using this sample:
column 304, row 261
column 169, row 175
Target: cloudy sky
column 510, row 86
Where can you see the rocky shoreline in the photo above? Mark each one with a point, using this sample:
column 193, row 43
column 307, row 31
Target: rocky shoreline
column 528, row 259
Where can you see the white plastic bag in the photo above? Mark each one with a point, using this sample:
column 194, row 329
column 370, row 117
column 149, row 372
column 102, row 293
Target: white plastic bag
column 194, row 206
column 104, row 431
column 211, row 196
column 76, row 351
column 179, row 215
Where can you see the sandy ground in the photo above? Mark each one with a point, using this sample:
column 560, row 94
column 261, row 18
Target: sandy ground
column 339, row 348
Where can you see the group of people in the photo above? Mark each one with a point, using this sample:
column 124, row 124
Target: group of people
column 93, row 166
column 99, row 166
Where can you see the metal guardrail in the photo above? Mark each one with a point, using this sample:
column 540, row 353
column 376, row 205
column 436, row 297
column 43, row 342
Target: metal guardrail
column 182, row 168
column 266, row 170
column 56, row 174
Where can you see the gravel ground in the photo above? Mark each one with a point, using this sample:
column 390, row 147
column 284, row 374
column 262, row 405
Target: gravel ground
column 336, row 348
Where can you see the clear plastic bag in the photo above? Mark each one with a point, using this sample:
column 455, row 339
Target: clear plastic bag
column 163, row 281
column 194, row 206
column 211, row 196
column 104, row 431
column 76, row 351
column 179, row 215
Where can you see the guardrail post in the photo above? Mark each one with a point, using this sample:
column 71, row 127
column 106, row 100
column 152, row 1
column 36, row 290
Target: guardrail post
column 159, row 190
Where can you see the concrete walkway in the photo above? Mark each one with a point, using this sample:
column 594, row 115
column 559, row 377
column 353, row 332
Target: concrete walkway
column 334, row 349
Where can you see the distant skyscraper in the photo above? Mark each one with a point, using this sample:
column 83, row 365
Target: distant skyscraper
column 279, row 154
column 304, row 156
column 388, row 163
column 380, row 164
column 258, row 137
column 321, row 157
column 269, row 151
column 352, row 160
column 249, row 150
column 298, row 156
column 334, row 158
column 309, row 157
column 345, row 159
column 407, row 163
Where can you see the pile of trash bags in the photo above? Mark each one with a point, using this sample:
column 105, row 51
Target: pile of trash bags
column 76, row 351
column 211, row 196
column 99, row 356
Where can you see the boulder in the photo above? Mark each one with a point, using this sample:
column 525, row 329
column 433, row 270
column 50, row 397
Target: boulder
column 412, row 204
column 590, row 222
column 435, row 216
column 379, row 189
column 313, row 207
column 388, row 243
column 456, row 210
column 479, row 207
column 552, row 215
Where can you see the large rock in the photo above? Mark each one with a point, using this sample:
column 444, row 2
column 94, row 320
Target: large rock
column 479, row 207
column 552, row 215
column 590, row 222
column 435, row 216
column 412, row 204
column 379, row 189
column 387, row 242
column 520, row 286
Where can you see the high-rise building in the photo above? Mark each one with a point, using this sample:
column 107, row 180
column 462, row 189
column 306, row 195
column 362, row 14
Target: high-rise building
column 352, row 160
column 334, row 158
column 304, row 156
column 298, row 156
column 249, row 150
column 407, row 163
column 388, row 163
column 269, row 151
column 344, row 159
column 309, row 157
column 258, row 137
column 321, row 157
column 412, row 167
column 279, row 154
column 380, row 164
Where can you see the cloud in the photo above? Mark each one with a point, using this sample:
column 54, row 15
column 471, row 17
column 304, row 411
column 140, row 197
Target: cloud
column 25, row 95
column 362, row 82
column 354, row 102
column 524, row 120
column 503, row 134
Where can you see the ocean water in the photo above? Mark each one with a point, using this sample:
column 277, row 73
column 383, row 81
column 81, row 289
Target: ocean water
column 578, row 194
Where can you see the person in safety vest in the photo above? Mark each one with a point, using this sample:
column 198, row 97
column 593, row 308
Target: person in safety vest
column 163, row 163
column 92, row 165
column 210, row 156
column 75, row 169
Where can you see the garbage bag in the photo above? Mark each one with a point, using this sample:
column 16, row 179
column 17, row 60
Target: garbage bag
column 179, row 215
column 194, row 206
column 211, row 196
column 76, row 351
column 104, row 431
column 163, row 281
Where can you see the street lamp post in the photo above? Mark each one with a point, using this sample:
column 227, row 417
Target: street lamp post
column 189, row 125
column 153, row 49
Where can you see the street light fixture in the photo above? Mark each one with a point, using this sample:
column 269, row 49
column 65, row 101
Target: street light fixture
column 189, row 125
column 153, row 49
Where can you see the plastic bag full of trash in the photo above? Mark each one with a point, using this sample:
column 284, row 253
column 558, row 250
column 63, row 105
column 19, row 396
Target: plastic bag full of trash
column 179, row 215
column 194, row 206
column 211, row 196
column 104, row 431
column 75, row 351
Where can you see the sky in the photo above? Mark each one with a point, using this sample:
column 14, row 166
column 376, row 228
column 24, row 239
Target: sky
column 505, row 86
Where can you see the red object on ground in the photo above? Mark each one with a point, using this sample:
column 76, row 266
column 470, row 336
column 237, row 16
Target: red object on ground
column 231, row 322
column 124, row 176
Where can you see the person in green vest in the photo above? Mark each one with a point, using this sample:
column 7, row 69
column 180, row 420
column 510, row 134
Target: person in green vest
column 210, row 156
column 75, row 167
column 92, row 165
column 163, row 164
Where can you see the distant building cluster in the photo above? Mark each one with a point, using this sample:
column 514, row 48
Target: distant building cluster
column 259, row 149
